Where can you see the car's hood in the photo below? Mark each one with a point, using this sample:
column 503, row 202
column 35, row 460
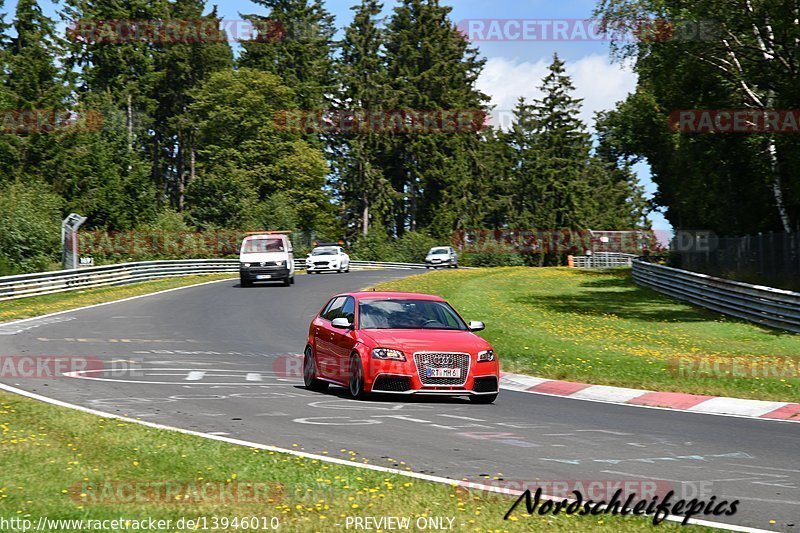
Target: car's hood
column 423, row 340
column 262, row 257
column 322, row 257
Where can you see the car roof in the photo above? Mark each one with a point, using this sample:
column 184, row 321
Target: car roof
column 373, row 295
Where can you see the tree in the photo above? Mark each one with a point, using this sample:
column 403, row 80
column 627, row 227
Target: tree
column 179, row 68
column 364, row 85
column 33, row 84
column 294, row 41
column 244, row 157
column 746, row 59
column 558, row 170
column 431, row 67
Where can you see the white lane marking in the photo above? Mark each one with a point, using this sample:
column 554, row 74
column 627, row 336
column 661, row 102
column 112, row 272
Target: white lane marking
column 335, row 460
column 738, row 465
column 11, row 328
column 253, row 376
column 465, row 418
column 401, row 417
column 195, row 375
column 347, row 421
column 25, row 320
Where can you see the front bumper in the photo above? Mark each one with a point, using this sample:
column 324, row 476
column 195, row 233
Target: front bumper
column 446, row 262
column 322, row 267
column 403, row 378
column 252, row 273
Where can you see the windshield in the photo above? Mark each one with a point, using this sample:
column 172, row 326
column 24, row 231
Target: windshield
column 408, row 314
column 259, row 246
column 323, row 251
column 439, row 251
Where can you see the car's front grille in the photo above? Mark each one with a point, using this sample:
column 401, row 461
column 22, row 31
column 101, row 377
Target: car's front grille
column 427, row 360
column 485, row 384
column 392, row 383
column 321, row 263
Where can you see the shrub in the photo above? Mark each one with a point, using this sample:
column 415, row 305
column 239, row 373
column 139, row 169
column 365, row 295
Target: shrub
column 30, row 227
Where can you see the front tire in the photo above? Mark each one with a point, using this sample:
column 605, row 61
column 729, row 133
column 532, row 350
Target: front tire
column 310, row 373
column 356, row 382
column 483, row 398
column 244, row 282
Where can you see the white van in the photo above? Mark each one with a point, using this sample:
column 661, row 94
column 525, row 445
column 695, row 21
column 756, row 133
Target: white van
column 266, row 256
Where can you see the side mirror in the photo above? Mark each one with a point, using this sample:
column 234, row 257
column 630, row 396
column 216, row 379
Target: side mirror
column 476, row 325
column 341, row 323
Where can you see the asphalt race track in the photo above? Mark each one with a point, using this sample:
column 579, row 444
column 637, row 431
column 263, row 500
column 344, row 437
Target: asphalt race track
column 222, row 359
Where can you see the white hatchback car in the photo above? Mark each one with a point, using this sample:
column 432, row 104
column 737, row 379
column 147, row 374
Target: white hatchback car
column 327, row 258
column 441, row 256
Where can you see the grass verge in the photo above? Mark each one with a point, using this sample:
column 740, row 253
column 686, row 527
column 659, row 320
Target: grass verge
column 599, row 327
column 53, row 303
column 52, row 458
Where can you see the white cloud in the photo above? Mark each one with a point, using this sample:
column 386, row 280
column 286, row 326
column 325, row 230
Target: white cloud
column 599, row 82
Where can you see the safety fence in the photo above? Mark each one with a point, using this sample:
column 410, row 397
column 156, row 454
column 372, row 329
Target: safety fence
column 602, row 260
column 41, row 283
column 776, row 308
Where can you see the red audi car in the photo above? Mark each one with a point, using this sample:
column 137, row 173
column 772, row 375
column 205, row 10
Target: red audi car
column 399, row 343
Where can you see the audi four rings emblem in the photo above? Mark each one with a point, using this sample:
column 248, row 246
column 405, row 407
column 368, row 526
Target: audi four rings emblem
column 442, row 360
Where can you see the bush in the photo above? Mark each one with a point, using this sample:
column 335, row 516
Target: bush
column 375, row 246
column 492, row 255
column 413, row 246
column 30, row 228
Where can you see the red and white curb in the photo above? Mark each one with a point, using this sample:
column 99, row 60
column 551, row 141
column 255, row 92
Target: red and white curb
column 694, row 403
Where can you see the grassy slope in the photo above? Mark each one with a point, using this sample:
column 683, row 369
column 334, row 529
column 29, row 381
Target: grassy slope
column 52, row 303
column 598, row 327
column 45, row 451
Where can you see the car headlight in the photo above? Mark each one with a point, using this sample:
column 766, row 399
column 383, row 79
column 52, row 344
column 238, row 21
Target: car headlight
column 280, row 263
column 385, row 353
column 245, row 265
column 486, row 355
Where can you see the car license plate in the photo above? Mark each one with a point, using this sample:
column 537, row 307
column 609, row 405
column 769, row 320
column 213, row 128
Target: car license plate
column 443, row 372
column 263, row 276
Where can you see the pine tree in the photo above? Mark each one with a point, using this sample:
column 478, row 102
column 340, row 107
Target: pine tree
column 294, row 42
column 33, row 82
column 431, row 67
column 361, row 70
column 559, row 176
column 180, row 67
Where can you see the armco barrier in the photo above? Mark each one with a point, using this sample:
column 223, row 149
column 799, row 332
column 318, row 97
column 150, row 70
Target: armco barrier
column 41, row 283
column 603, row 260
column 767, row 306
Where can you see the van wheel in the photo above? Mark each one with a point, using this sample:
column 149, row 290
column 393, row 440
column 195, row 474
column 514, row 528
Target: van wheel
column 291, row 280
column 244, row 282
column 287, row 282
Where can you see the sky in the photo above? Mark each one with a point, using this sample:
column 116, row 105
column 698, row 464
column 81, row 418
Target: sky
column 515, row 64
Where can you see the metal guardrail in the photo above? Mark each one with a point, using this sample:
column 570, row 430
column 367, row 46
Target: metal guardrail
column 776, row 308
column 42, row 283
column 603, row 260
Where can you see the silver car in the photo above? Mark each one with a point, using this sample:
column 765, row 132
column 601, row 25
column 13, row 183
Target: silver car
column 441, row 256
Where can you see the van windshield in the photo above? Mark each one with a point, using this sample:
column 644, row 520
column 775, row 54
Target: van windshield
column 260, row 246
